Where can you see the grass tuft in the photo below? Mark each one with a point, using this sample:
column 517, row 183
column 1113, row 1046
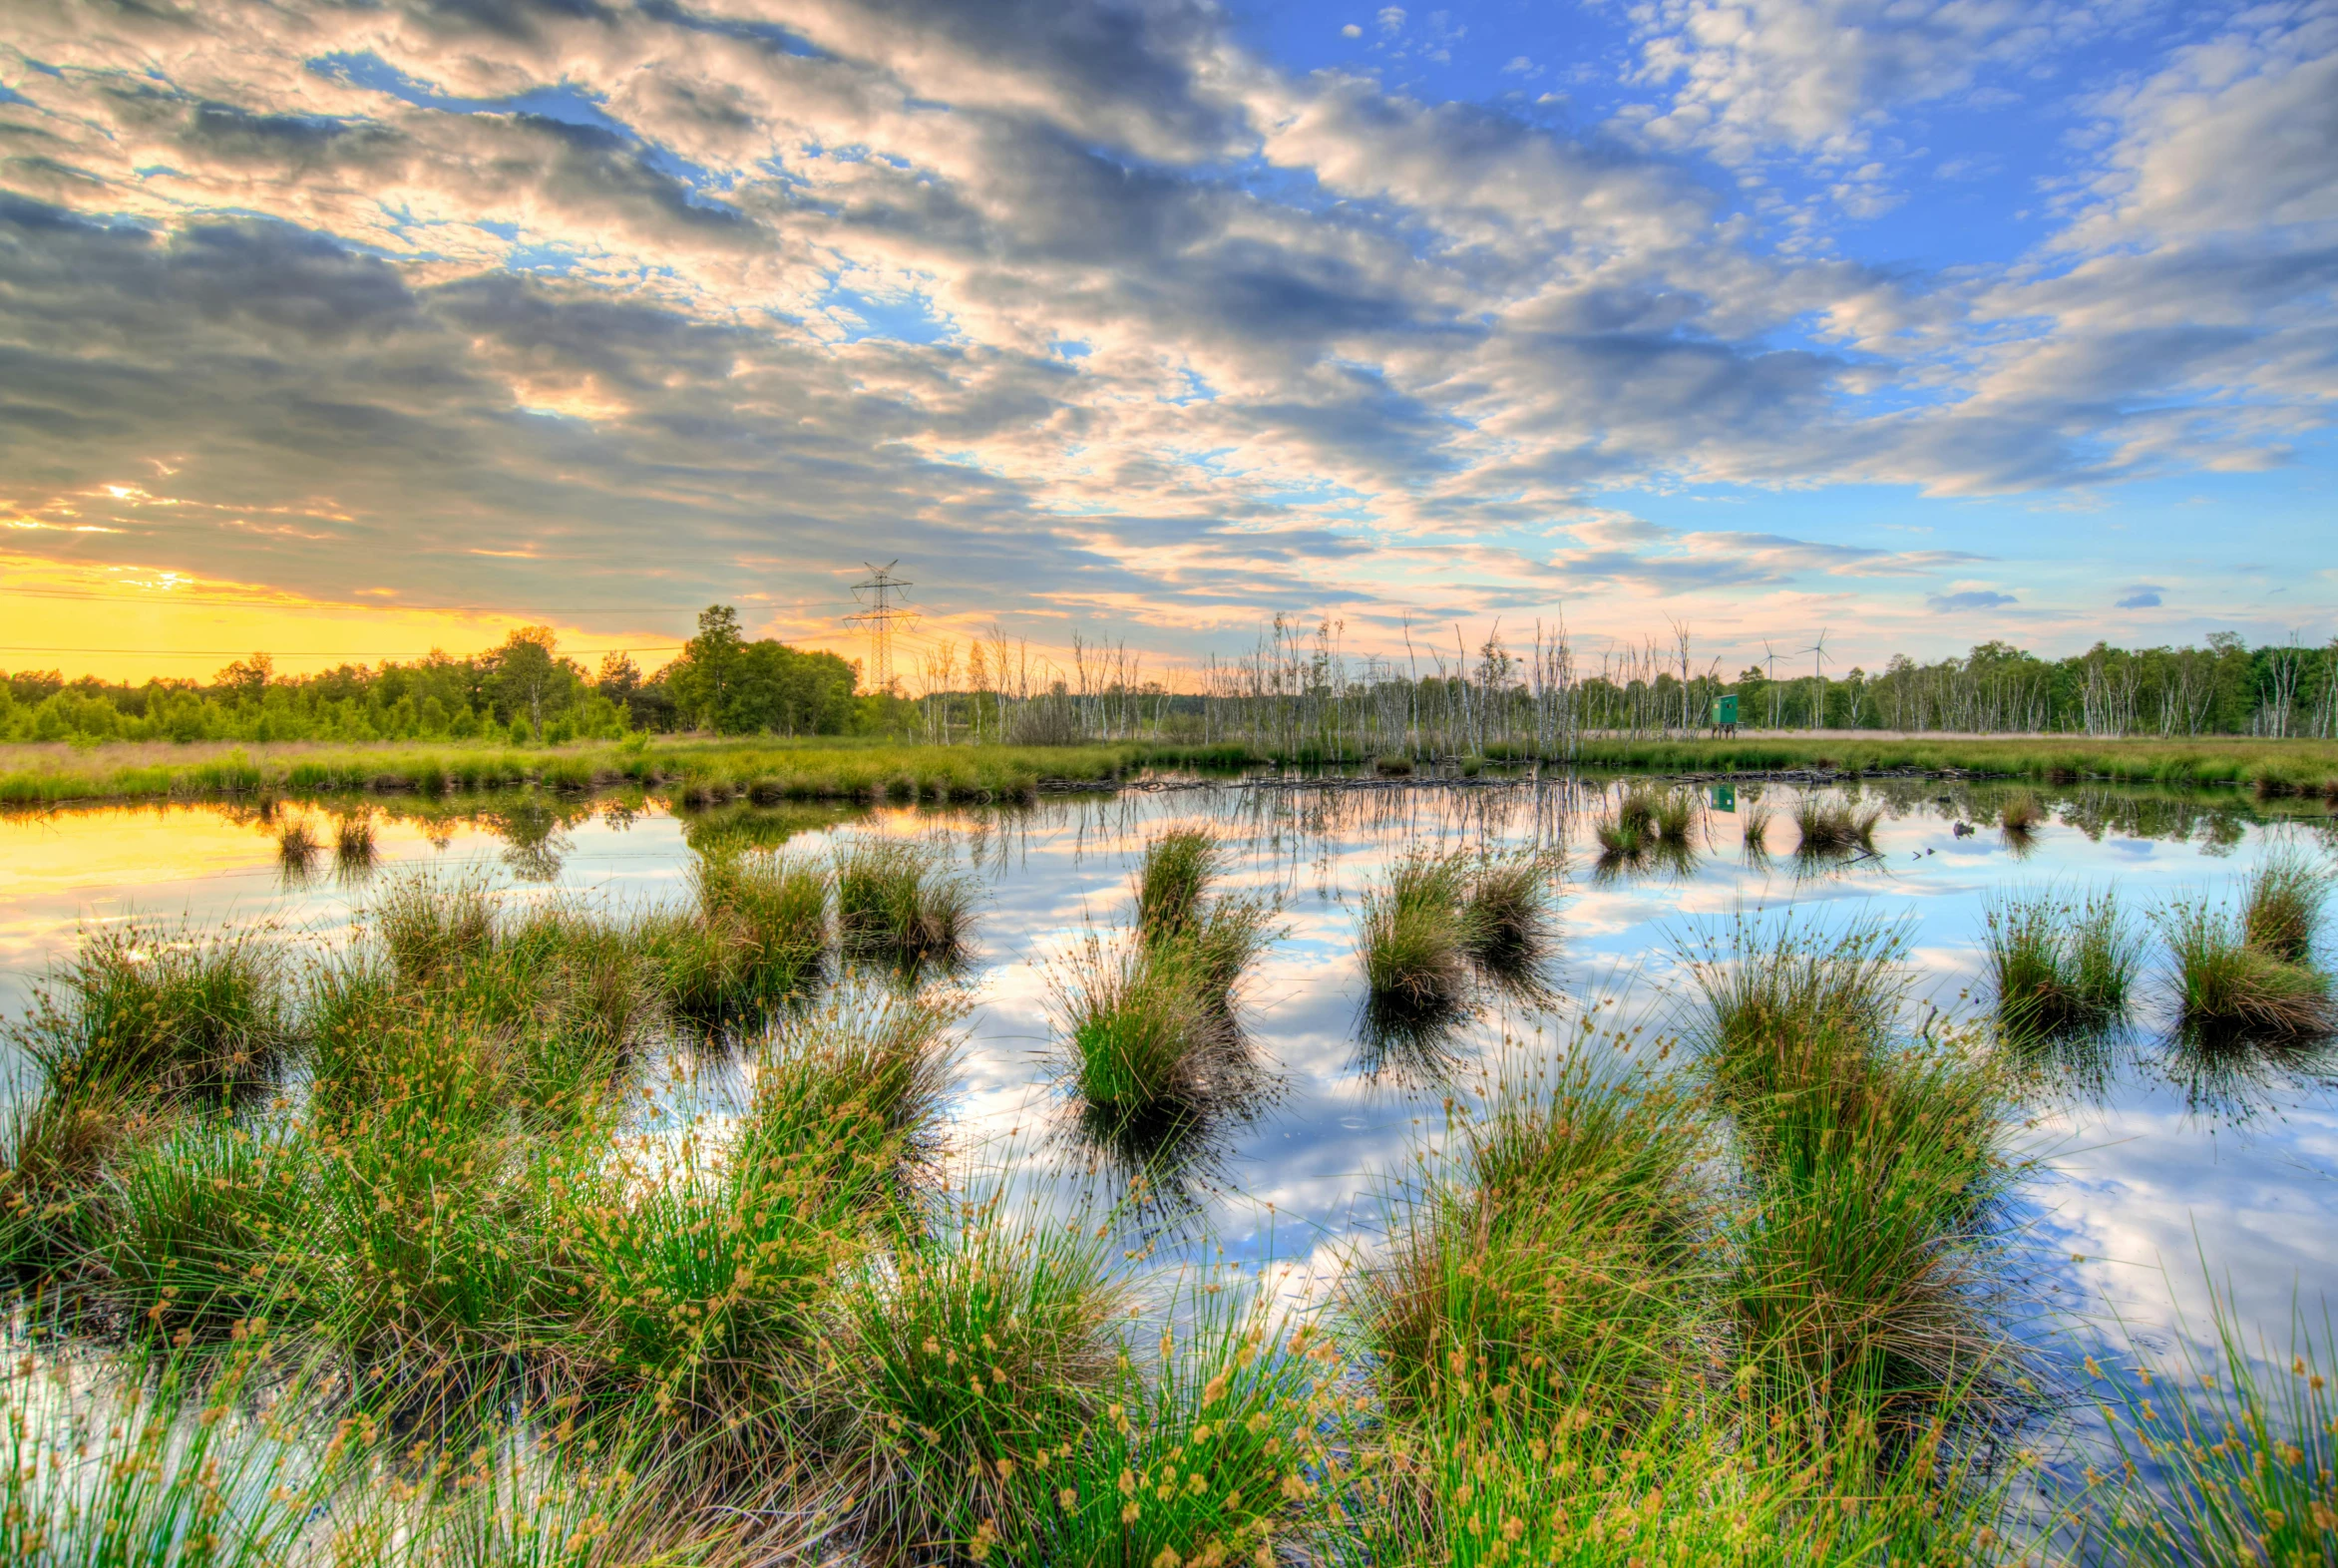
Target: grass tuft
column 2281, row 906
column 1173, row 881
column 2226, row 989
column 175, row 1014
column 898, row 898
column 1834, row 826
column 2060, row 965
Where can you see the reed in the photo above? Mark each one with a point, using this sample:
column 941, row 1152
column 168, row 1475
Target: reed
column 899, row 899
column 1758, row 816
column 2228, row 989
column 1834, row 826
column 2058, row 964
column 2281, row 906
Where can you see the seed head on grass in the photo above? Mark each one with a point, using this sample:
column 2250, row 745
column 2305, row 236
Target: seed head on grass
column 430, row 926
column 986, row 1341
column 178, row 1014
column 900, row 898
column 1198, row 1461
column 2228, row 989
column 56, row 1142
column 2281, row 906
column 205, row 1229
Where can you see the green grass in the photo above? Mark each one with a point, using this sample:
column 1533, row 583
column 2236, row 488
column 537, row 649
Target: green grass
column 173, row 1013
column 1173, row 881
column 1827, row 825
column 1415, row 937
column 1873, row 1163
column 2272, row 767
column 2281, row 906
column 697, row 772
column 1149, row 1040
column 2021, row 812
column 899, row 899
column 2059, row 965
column 2221, row 1453
column 2225, row 989
column 983, row 1341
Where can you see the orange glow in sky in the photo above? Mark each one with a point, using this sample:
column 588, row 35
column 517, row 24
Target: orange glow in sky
column 129, row 624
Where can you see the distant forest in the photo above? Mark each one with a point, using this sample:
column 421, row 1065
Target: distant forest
column 1296, row 686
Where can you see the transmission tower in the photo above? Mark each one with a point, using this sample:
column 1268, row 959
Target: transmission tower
column 879, row 618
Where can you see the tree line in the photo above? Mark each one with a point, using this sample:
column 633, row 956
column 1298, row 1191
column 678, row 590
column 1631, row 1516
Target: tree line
column 524, row 691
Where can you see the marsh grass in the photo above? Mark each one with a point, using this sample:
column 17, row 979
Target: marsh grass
column 986, row 1340
column 124, row 1472
column 2224, row 1452
column 57, row 1138
column 1173, row 881
column 2021, row 812
column 1147, row 1044
column 1202, row 1454
column 1416, row 939
column 2281, row 906
column 899, row 899
column 2228, row 989
column 200, row 1232
column 2059, row 965
column 1552, row 1267
column 1826, row 825
column 297, row 847
column 1873, row 1165
column 1441, row 922
column 770, row 911
column 1755, row 826
column 354, row 845
column 173, row 1014
column 1644, row 818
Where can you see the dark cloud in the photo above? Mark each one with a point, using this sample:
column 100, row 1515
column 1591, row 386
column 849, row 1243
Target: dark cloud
column 2143, row 596
column 1971, row 598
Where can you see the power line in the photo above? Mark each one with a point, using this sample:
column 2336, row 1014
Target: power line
column 480, row 610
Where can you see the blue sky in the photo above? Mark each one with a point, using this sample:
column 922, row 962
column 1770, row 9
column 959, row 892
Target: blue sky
column 1924, row 323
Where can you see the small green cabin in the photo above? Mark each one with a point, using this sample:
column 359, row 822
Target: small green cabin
column 1725, row 711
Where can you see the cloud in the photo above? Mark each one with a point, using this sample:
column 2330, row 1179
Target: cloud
column 1970, row 599
column 2143, row 596
column 761, row 288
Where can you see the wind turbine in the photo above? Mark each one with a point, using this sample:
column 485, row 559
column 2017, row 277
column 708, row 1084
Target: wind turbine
column 1771, row 655
column 1819, row 676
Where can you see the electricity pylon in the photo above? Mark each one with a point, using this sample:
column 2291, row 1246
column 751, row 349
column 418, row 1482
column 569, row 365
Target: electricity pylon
column 880, row 619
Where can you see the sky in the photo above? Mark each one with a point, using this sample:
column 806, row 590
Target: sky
column 345, row 330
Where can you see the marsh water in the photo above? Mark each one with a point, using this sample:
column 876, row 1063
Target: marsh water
column 2154, row 1172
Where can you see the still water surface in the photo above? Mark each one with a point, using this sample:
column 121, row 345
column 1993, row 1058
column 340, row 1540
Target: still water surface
column 2153, row 1176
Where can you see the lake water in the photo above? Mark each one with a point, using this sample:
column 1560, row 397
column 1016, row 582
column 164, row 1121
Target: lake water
column 2153, row 1176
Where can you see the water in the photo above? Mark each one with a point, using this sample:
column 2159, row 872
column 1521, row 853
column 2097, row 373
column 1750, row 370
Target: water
column 2152, row 1178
